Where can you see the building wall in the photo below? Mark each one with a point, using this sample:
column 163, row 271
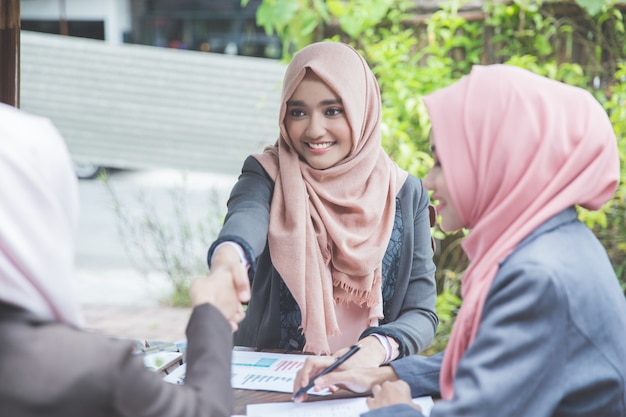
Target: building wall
column 115, row 14
column 136, row 106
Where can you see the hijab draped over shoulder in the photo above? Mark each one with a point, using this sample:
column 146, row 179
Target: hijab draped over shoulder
column 329, row 229
column 38, row 218
column 516, row 149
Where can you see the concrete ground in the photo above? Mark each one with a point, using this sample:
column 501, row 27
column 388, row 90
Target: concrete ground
column 137, row 322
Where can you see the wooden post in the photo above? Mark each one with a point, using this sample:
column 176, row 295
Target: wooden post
column 63, row 27
column 10, row 52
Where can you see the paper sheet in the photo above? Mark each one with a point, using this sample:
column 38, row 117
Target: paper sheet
column 266, row 371
column 258, row 371
column 350, row 407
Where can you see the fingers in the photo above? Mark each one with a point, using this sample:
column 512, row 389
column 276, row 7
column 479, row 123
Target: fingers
column 313, row 365
column 390, row 393
column 359, row 379
column 241, row 281
column 224, row 287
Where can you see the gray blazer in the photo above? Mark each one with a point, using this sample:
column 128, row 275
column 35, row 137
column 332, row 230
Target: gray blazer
column 552, row 341
column 50, row 369
column 408, row 272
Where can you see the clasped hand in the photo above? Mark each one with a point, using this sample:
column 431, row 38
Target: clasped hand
column 358, row 374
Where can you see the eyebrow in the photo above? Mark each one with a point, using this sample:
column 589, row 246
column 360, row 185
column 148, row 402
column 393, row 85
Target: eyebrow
column 323, row 103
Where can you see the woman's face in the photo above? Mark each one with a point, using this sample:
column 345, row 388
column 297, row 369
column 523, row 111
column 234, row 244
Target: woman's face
column 435, row 181
column 317, row 125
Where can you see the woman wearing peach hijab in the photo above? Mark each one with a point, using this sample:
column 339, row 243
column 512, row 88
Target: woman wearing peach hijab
column 541, row 331
column 336, row 236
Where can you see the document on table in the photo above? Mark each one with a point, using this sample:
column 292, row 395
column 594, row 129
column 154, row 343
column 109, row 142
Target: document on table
column 258, row 371
column 349, row 407
column 266, row 371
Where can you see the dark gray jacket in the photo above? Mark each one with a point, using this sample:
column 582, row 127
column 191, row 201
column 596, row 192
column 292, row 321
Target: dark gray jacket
column 273, row 317
column 50, row 369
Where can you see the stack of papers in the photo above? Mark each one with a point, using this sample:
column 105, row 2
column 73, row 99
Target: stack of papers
column 259, row 371
column 349, row 407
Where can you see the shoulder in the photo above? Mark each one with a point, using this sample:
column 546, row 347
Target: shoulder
column 412, row 183
column 252, row 166
column 554, row 265
column 412, row 194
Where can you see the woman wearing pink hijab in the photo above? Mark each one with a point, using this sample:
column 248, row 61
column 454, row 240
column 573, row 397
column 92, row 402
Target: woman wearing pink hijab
column 542, row 328
column 336, row 236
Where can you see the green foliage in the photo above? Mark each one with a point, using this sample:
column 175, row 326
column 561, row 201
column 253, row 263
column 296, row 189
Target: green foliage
column 412, row 58
column 294, row 21
column 593, row 7
column 610, row 223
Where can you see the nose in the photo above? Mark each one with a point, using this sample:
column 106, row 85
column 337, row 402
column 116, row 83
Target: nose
column 315, row 129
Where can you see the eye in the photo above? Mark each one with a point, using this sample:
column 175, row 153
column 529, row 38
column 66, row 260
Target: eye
column 334, row 111
column 296, row 113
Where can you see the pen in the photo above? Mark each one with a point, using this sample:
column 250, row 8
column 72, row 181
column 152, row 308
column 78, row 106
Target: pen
column 332, row 367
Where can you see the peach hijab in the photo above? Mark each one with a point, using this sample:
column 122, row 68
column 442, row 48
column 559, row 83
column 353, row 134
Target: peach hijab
column 516, row 149
column 329, row 229
column 38, row 218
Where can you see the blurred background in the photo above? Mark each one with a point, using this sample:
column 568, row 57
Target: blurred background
column 160, row 101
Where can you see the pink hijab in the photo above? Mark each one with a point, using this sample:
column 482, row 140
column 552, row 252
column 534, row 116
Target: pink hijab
column 329, row 229
column 516, row 149
column 38, row 218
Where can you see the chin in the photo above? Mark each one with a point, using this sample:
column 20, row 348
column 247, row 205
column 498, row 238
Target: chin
column 448, row 228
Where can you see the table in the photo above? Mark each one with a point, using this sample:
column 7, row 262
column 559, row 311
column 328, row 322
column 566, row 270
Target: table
column 243, row 397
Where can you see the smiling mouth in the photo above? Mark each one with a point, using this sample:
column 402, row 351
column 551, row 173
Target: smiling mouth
column 320, row 145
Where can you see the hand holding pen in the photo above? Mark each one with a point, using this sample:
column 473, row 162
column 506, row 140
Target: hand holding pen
column 336, row 364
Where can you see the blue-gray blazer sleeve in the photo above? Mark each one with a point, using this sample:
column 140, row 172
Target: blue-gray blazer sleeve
column 504, row 372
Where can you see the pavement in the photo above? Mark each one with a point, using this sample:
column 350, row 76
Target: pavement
column 118, row 298
column 137, row 322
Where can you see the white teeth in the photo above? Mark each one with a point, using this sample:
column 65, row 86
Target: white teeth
column 323, row 145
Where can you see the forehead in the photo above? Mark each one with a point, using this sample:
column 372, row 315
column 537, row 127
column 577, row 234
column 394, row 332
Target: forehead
column 312, row 88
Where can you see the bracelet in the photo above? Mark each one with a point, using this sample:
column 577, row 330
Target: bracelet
column 386, row 343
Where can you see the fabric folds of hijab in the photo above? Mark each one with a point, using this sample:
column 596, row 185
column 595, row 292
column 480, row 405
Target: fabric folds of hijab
column 38, row 217
column 329, row 229
column 516, row 149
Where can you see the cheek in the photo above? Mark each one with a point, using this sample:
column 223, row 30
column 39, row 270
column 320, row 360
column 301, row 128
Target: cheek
column 344, row 133
column 428, row 181
column 293, row 131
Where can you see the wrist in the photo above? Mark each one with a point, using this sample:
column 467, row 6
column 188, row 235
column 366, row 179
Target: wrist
column 383, row 374
column 390, row 346
column 229, row 253
column 376, row 350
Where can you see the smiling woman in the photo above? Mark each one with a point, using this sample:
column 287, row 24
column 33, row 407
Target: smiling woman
column 332, row 261
column 316, row 123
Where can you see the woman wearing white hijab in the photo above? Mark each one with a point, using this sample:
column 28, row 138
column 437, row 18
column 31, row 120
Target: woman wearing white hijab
column 49, row 365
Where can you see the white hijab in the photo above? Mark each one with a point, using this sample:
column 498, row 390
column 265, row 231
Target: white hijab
column 38, row 218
